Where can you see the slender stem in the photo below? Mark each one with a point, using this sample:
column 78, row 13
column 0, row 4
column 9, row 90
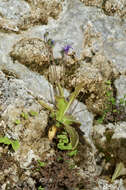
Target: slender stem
column 45, row 105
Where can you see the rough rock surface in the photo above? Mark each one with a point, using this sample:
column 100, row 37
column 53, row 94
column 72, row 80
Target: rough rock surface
column 32, row 53
column 20, row 15
column 93, row 75
column 14, row 101
column 110, row 7
column 110, row 140
column 120, row 85
column 92, row 2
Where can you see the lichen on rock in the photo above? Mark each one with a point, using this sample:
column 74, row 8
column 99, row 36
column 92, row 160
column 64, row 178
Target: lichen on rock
column 115, row 7
column 31, row 52
column 96, row 3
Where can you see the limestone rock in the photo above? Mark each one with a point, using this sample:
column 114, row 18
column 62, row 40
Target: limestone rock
column 15, row 101
column 111, row 140
column 27, row 13
column 97, row 3
column 120, row 85
column 115, row 7
column 93, row 76
column 110, row 7
column 31, row 52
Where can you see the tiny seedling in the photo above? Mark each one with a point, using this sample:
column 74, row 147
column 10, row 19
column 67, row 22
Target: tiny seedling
column 41, row 188
column 41, row 164
column 64, row 143
column 24, row 115
column 72, row 153
column 17, row 121
column 108, row 82
column 59, row 158
column 14, row 143
column 72, row 166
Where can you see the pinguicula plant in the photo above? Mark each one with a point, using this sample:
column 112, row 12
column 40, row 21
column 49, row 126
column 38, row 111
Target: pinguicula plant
column 63, row 120
column 69, row 138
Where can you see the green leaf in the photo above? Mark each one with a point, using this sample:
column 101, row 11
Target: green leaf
column 52, row 115
column 45, row 105
column 120, row 170
column 108, row 82
column 121, row 101
column 33, row 113
column 112, row 100
column 60, row 116
column 41, row 188
column 73, row 96
column 62, row 146
column 64, row 142
column 17, row 121
column 69, row 119
column 109, row 93
column 15, row 145
column 72, row 153
column 60, row 90
column 73, row 135
column 5, row 140
column 59, row 158
column 63, row 138
column 114, row 111
column 41, row 164
column 61, row 105
column 72, row 166
column 24, row 115
column 100, row 120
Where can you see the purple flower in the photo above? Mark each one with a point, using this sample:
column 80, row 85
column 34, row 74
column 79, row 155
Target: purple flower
column 67, row 48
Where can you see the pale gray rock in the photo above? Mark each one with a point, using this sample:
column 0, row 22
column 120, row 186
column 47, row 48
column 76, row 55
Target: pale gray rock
column 12, row 13
column 14, row 9
column 72, row 24
column 104, row 185
column 120, row 85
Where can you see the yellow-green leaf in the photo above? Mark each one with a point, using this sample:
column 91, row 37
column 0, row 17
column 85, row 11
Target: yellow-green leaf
column 73, row 135
column 15, row 145
column 5, row 140
column 120, row 170
column 33, row 113
column 73, row 96
column 17, row 121
column 61, row 105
